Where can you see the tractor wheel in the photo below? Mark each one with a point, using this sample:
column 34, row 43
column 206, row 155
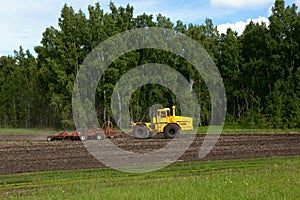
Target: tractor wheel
column 99, row 137
column 83, row 138
column 49, row 138
column 171, row 131
column 141, row 132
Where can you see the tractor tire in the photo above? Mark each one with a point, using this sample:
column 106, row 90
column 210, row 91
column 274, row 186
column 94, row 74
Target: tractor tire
column 49, row 139
column 171, row 131
column 83, row 137
column 141, row 132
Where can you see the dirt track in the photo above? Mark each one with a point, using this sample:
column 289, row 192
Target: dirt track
column 28, row 153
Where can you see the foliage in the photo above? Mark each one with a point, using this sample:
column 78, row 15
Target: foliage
column 260, row 69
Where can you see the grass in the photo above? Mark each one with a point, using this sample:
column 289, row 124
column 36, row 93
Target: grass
column 267, row 178
column 201, row 129
column 30, row 131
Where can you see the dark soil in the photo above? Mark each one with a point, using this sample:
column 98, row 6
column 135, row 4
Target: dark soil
column 31, row 153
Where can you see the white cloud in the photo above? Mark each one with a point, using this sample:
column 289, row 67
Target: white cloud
column 239, row 26
column 23, row 22
column 239, row 3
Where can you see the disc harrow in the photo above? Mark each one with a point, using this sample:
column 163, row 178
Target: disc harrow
column 107, row 131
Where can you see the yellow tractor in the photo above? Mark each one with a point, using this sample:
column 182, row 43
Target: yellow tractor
column 163, row 123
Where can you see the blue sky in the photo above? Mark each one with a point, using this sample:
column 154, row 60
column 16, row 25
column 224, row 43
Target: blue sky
column 23, row 22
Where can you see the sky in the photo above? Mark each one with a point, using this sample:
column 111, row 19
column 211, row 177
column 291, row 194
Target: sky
column 22, row 23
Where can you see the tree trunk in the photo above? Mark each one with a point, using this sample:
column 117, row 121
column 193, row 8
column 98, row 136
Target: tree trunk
column 119, row 122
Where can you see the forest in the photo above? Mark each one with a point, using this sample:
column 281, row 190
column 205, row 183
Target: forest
column 260, row 69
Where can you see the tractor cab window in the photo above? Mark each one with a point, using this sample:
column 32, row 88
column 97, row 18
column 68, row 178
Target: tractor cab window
column 168, row 113
column 163, row 114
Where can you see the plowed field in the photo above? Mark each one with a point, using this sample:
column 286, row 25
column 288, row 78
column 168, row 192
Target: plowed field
column 30, row 153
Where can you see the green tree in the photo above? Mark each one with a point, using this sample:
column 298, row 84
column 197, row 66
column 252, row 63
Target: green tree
column 229, row 62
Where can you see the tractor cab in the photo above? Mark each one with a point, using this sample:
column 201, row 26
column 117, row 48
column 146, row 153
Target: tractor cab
column 163, row 113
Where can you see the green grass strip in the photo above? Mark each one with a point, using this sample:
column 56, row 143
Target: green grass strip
column 30, row 131
column 264, row 178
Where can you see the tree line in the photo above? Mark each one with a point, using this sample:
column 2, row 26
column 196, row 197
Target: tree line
column 260, row 69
